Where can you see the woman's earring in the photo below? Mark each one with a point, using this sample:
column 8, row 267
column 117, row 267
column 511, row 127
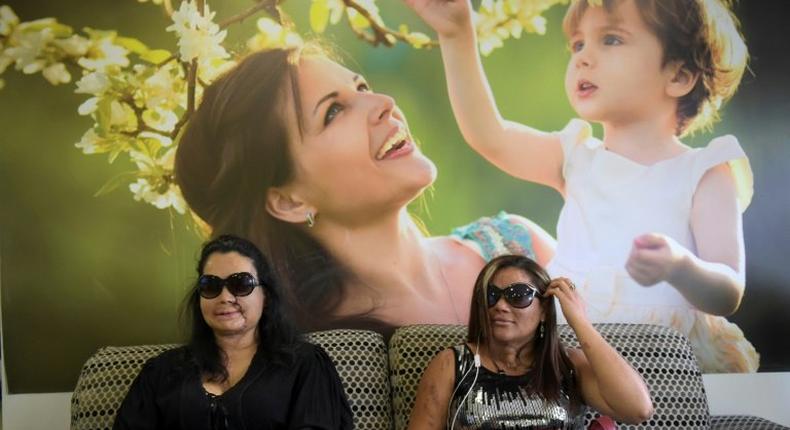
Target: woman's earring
column 540, row 330
column 310, row 220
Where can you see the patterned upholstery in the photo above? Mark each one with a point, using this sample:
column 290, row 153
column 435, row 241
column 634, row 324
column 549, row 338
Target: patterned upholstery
column 664, row 359
column 359, row 356
column 411, row 349
column 743, row 422
column 660, row 354
column 361, row 360
column 104, row 380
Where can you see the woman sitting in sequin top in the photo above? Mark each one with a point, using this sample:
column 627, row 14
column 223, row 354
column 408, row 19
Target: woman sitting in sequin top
column 513, row 373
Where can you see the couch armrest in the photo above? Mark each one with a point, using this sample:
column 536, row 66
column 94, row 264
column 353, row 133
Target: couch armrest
column 104, row 381
column 743, row 422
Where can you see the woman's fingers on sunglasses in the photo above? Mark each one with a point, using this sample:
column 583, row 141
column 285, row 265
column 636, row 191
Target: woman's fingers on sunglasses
column 561, row 288
column 563, row 284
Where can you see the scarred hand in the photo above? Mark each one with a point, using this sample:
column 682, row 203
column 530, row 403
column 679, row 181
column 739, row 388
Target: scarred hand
column 571, row 303
column 654, row 258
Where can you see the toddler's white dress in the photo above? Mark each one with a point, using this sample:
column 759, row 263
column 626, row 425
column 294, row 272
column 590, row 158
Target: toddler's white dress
column 610, row 200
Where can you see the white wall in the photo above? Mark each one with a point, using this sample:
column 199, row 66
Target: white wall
column 763, row 394
column 50, row 411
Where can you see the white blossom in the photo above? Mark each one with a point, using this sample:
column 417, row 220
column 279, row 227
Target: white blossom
column 164, row 141
column 143, row 190
column 122, row 116
column 90, row 143
column 162, row 89
column 160, row 119
column 75, row 46
column 198, row 36
column 155, row 187
column 88, row 106
column 57, row 74
column 273, row 35
column 8, row 20
column 95, row 83
column 104, row 53
column 28, row 50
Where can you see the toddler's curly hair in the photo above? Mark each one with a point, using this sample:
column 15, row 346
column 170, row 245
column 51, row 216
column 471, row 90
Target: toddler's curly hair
column 703, row 35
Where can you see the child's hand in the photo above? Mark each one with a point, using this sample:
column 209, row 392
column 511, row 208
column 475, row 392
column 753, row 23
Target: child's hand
column 448, row 18
column 654, row 258
column 571, row 304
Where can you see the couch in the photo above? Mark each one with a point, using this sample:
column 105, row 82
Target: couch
column 381, row 379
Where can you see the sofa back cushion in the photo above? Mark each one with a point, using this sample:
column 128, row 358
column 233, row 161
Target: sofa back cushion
column 359, row 356
column 660, row 354
column 411, row 349
column 103, row 382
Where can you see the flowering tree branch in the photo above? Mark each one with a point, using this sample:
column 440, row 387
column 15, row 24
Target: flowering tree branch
column 381, row 34
column 140, row 98
column 270, row 6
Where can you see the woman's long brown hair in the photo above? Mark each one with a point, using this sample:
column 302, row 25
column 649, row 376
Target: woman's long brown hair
column 553, row 369
column 234, row 148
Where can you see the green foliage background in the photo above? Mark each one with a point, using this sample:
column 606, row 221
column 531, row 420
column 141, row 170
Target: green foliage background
column 78, row 272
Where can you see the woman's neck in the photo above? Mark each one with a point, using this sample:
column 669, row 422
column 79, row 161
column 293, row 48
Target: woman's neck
column 645, row 141
column 238, row 345
column 390, row 253
column 511, row 357
column 239, row 351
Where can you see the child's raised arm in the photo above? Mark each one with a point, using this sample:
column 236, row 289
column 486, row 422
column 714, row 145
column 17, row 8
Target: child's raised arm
column 519, row 150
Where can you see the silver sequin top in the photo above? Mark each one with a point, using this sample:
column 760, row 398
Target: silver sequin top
column 498, row 401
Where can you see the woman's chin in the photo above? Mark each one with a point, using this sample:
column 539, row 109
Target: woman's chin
column 424, row 174
column 415, row 179
column 228, row 327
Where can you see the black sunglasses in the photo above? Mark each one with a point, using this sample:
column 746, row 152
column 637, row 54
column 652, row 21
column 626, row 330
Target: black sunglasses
column 239, row 284
column 519, row 295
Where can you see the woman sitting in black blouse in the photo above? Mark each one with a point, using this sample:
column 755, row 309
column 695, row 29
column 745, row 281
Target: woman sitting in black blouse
column 244, row 366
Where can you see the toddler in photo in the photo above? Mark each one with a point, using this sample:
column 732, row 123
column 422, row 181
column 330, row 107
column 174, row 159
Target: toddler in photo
column 651, row 228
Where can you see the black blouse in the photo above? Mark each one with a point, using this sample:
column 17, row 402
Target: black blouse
column 168, row 394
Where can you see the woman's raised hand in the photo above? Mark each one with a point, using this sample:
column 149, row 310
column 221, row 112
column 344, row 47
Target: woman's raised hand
column 571, row 303
column 448, row 18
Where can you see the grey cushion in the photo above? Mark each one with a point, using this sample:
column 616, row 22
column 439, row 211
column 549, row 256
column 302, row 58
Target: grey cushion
column 664, row 358
column 360, row 357
column 104, row 380
column 743, row 422
column 411, row 349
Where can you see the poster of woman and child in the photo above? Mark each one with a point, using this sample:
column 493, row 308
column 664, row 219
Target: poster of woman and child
column 637, row 148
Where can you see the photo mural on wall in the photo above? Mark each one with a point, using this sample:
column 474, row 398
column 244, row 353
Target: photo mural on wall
column 338, row 134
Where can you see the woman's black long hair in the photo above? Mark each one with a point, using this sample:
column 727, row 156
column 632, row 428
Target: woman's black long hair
column 277, row 335
column 553, row 368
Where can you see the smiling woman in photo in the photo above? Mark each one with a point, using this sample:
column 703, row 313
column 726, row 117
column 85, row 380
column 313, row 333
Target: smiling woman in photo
column 304, row 157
